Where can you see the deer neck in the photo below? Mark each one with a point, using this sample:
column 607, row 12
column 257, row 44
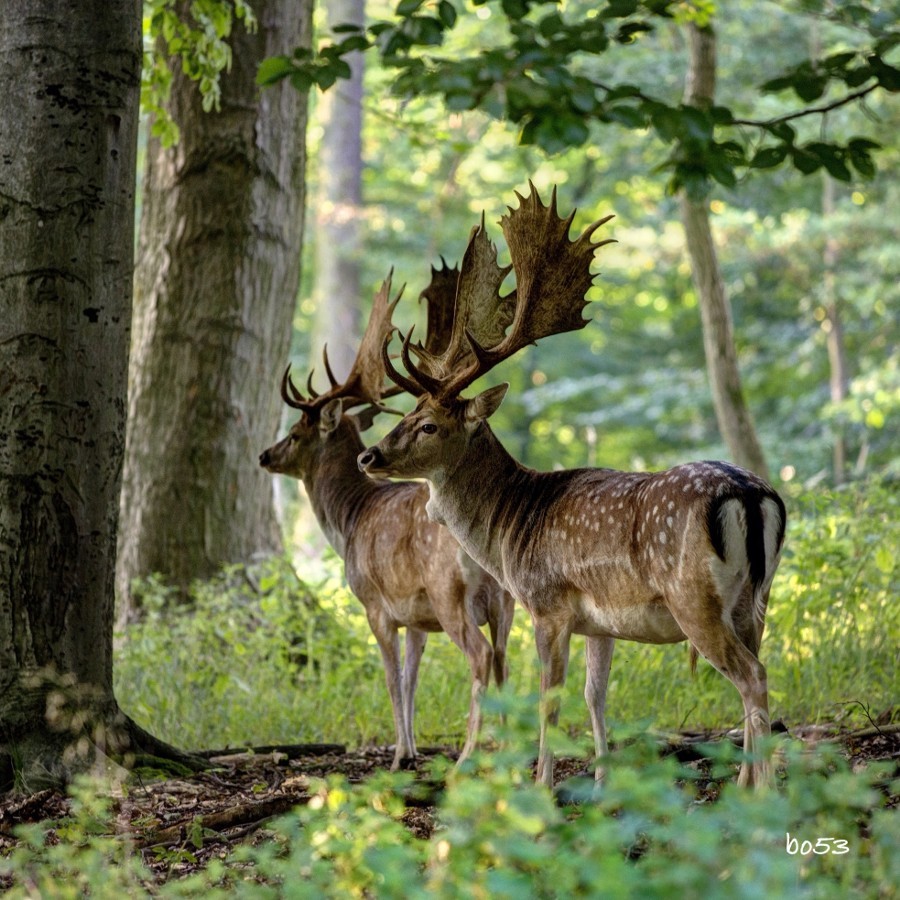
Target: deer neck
column 468, row 497
column 337, row 490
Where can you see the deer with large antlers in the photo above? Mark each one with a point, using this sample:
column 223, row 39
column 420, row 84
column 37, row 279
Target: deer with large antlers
column 404, row 569
column 684, row 554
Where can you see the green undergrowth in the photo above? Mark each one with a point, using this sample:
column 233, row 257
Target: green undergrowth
column 260, row 656
column 823, row 832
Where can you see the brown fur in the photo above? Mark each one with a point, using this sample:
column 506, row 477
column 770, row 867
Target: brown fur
column 406, row 571
column 602, row 553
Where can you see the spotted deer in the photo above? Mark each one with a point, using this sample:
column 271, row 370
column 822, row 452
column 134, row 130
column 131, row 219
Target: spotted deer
column 684, row 554
column 406, row 570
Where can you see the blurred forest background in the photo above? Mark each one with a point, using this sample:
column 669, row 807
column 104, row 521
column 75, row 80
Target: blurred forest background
column 811, row 266
column 293, row 153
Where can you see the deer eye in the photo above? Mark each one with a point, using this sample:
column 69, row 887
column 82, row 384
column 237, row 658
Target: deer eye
column 429, row 428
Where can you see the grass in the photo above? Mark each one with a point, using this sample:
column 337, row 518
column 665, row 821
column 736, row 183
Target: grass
column 263, row 657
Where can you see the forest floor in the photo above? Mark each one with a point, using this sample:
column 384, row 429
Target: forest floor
column 243, row 791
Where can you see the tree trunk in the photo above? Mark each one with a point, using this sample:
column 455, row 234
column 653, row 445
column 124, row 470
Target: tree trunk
column 834, row 332
column 215, row 292
column 69, row 93
column 732, row 414
column 338, row 207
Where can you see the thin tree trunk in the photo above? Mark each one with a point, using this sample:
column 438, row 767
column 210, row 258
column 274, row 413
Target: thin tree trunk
column 733, row 416
column 834, row 332
column 338, row 206
column 69, row 93
column 215, row 291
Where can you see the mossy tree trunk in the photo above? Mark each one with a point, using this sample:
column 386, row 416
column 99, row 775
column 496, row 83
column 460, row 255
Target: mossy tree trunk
column 69, row 93
column 215, row 292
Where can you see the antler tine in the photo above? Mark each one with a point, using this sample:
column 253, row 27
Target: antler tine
column 294, row 399
column 423, row 378
column 552, row 278
column 365, row 382
column 328, row 372
column 407, row 384
column 440, row 296
column 309, row 388
column 478, row 308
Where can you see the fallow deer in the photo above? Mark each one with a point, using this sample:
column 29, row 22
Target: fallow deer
column 684, row 554
column 404, row 569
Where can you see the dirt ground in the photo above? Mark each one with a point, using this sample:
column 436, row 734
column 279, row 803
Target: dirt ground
column 243, row 791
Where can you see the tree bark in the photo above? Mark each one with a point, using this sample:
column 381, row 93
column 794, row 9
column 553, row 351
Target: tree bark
column 215, row 291
column 69, row 94
column 733, row 416
column 338, row 206
column 838, row 379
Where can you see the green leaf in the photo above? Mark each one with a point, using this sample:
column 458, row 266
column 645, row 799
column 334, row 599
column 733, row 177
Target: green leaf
column 859, row 75
column 888, row 77
column 273, row 69
column 408, row 7
column 515, row 9
column 805, row 161
column 356, row 42
column 301, row 80
column 782, row 131
column 629, row 116
column 768, row 157
column 697, row 123
column 550, row 25
column 863, row 164
column 447, row 13
column 618, row 9
column 810, row 87
column 832, row 158
column 781, row 83
column 666, row 121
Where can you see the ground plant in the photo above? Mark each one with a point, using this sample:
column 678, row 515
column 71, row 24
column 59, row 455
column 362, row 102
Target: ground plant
column 824, row 832
column 262, row 656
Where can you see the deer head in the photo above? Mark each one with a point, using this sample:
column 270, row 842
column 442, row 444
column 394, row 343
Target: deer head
column 552, row 277
column 322, row 414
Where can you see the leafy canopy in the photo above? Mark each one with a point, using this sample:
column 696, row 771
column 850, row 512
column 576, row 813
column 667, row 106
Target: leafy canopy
column 547, row 74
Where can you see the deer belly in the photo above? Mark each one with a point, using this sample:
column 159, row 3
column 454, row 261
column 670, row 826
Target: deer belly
column 648, row 622
column 414, row 611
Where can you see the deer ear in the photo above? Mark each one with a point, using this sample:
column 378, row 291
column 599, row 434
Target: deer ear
column 486, row 403
column 330, row 416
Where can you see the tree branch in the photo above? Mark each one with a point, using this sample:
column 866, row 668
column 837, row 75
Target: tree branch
column 813, row 110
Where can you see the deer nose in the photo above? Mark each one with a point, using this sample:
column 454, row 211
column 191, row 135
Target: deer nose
column 264, row 458
column 369, row 458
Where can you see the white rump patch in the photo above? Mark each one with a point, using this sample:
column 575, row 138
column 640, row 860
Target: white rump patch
column 731, row 574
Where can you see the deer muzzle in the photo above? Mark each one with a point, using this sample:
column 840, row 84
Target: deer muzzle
column 371, row 461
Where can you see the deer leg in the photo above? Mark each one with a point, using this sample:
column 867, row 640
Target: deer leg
column 500, row 616
column 730, row 656
column 598, row 658
column 389, row 645
column 415, row 647
column 465, row 634
column 552, row 642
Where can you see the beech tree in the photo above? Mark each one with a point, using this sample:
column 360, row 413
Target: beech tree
column 337, row 211
column 215, row 290
column 69, row 94
column 735, row 423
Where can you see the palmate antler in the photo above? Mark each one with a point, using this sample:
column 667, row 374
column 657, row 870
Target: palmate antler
column 552, row 277
column 365, row 383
